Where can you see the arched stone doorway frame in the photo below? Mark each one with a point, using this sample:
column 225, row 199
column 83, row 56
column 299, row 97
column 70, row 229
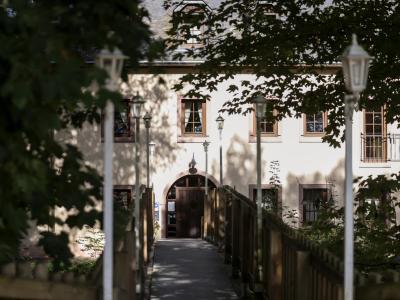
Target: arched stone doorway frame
column 163, row 203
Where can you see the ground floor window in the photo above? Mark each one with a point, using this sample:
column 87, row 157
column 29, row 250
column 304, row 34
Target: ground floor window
column 313, row 200
column 123, row 196
column 271, row 197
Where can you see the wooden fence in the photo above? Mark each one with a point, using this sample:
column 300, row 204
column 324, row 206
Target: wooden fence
column 294, row 268
column 32, row 280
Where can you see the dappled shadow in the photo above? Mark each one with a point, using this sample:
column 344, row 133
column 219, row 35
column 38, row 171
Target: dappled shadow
column 333, row 181
column 241, row 168
column 89, row 140
column 189, row 269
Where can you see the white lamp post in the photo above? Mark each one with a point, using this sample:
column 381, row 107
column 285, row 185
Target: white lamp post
column 220, row 122
column 260, row 105
column 112, row 63
column 355, row 63
column 147, row 121
column 137, row 104
column 205, row 145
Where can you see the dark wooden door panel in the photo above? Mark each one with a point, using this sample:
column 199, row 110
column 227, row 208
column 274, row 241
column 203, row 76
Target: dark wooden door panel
column 189, row 210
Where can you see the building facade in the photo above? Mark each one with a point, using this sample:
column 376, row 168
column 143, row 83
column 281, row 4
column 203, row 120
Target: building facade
column 298, row 169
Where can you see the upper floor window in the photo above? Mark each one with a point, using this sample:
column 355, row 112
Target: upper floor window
column 267, row 8
column 123, row 123
column 193, row 121
column 267, row 128
column 196, row 35
column 191, row 16
column 314, row 124
column 374, row 136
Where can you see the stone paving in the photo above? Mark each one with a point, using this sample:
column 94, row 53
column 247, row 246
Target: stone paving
column 189, row 269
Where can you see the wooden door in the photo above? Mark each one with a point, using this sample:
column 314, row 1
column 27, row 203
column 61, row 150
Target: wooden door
column 189, row 210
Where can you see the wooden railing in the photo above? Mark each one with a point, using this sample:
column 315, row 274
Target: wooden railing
column 294, row 268
column 29, row 280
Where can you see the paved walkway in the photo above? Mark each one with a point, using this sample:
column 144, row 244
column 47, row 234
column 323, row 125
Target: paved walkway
column 189, row 269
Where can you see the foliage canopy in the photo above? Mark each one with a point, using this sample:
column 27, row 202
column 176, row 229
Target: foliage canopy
column 46, row 64
column 293, row 47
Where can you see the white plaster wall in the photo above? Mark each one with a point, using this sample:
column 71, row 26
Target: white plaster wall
column 303, row 160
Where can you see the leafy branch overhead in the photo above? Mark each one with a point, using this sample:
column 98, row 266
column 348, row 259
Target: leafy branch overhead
column 46, row 64
column 292, row 50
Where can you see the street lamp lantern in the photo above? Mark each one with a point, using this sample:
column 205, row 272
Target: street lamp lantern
column 355, row 62
column 220, row 122
column 147, row 120
column 137, row 103
column 112, row 62
column 205, row 145
column 261, row 104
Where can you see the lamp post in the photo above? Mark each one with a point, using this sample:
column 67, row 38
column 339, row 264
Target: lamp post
column 152, row 147
column 205, row 145
column 147, row 121
column 260, row 105
column 355, row 64
column 220, row 122
column 137, row 104
column 112, row 63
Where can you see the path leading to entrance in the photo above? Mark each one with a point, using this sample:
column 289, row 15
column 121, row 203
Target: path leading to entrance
column 189, row 269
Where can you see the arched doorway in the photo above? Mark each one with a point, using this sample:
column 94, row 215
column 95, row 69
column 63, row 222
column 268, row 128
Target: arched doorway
column 185, row 206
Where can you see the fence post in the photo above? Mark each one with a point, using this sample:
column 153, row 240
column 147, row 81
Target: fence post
column 303, row 275
column 235, row 238
column 206, row 218
column 141, row 251
column 228, row 226
column 213, row 210
column 275, row 265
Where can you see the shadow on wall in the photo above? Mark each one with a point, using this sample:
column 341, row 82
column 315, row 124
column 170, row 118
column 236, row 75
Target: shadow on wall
column 156, row 93
column 88, row 139
column 161, row 132
column 335, row 180
column 241, row 168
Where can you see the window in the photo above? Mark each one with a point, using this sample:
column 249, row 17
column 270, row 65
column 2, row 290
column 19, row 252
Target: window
column 313, row 200
column 271, row 197
column 193, row 120
column 374, row 138
column 267, row 9
column 122, row 196
column 195, row 37
column 191, row 14
column 314, row 124
column 267, row 128
column 123, row 123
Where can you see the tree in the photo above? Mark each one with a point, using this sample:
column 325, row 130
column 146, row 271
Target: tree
column 46, row 65
column 376, row 233
column 292, row 47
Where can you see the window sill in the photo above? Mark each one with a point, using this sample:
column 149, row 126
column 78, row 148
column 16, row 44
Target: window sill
column 310, row 139
column 121, row 140
column 266, row 139
column 375, row 165
column 191, row 139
